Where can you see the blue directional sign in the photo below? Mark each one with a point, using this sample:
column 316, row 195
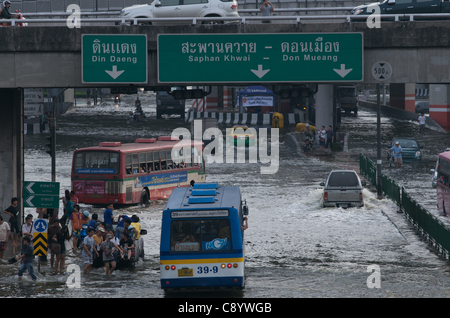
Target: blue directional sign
column 40, row 225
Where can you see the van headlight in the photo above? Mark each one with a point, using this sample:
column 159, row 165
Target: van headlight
column 124, row 13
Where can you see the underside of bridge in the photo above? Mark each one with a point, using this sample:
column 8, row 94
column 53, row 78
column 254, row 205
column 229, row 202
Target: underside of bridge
column 43, row 57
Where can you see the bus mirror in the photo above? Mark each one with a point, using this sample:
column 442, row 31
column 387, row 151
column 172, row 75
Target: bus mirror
column 143, row 232
column 245, row 210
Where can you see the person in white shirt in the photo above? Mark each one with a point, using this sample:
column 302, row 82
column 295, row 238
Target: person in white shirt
column 4, row 234
column 422, row 123
column 27, row 227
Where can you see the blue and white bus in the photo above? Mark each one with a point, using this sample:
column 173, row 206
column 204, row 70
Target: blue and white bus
column 202, row 238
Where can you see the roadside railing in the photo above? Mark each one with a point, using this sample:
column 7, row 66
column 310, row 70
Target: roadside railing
column 241, row 20
column 437, row 233
column 240, row 11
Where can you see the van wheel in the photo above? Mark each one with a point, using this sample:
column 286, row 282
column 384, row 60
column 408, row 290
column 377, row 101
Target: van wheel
column 141, row 22
column 212, row 22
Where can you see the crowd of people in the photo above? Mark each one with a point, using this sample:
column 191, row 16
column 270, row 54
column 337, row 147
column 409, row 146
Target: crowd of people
column 100, row 245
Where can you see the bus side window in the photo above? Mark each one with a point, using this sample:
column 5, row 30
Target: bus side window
column 114, row 162
column 79, row 162
column 181, row 161
column 150, row 162
column 175, row 158
column 142, row 163
column 135, row 163
column 162, row 160
column 128, row 164
column 156, row 160
column 194, row 157
column 169, row 159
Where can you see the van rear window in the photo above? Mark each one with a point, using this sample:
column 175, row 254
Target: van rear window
column 343, row 179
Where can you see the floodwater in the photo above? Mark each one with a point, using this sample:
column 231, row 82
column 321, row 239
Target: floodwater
column 294, row 247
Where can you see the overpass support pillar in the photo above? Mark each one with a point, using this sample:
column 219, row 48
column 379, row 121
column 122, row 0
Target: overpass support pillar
column 324, row 106
column 440, row 104
column 403, row 96
column 11, row 148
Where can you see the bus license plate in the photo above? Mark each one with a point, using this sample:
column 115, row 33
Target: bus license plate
column 185, row 272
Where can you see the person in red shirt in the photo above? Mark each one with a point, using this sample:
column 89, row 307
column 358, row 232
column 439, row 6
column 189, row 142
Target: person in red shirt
column 73, row 197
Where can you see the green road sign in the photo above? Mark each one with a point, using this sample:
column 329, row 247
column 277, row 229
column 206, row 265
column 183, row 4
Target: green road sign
column 39, row 188
column 226, row 58
column 114, row 59
column 41, row 194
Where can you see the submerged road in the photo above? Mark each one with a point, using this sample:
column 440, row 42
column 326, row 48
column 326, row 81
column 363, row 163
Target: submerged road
column 294, row 247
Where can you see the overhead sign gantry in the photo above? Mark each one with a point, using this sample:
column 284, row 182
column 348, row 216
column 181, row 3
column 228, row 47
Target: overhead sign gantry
column 271, row 58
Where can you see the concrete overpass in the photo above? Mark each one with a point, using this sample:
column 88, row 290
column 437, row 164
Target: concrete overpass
column 51, row 56
column 36, row 57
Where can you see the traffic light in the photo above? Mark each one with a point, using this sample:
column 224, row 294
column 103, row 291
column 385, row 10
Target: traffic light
column 300, row 91
column 124, row 90
column 188, row 93
column 51, row 145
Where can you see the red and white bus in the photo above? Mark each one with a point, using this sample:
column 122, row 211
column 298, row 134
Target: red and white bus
column 443, row 182
column 148, row 169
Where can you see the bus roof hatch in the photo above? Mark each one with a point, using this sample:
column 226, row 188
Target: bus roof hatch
column 203, row 192
column 201, row 200
column 205, row 186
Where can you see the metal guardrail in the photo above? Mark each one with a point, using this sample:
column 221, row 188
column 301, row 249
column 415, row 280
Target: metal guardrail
column 428, row 225
column 108, row 5
column 242, row 20
column 240, row 11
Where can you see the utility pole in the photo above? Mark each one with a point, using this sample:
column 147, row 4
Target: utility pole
column 379, row 188
column 52, row 137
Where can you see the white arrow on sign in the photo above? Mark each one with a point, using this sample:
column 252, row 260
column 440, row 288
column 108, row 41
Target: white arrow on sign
column 29, row 187
column 260, row 72
column 29, row 201
column 114, row 73
column 342, row 72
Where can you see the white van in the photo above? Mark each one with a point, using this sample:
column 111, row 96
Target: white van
column 183, row 9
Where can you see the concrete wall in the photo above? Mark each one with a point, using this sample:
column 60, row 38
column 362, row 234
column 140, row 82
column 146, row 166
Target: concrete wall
column 400, row 113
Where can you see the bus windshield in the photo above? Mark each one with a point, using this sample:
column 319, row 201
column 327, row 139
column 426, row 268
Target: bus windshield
column 207, row 235
column 103, row 162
